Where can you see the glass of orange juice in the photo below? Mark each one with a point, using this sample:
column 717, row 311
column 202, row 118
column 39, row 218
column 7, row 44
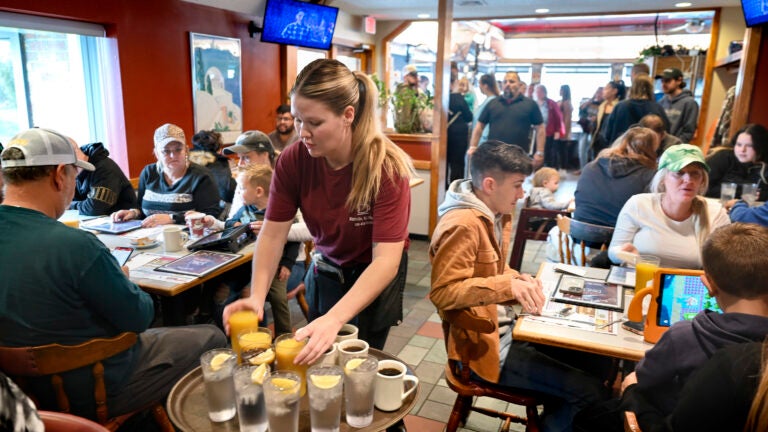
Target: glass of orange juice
column 240, row 321
column 286, row 350
column 645, row 267
column 256, row 346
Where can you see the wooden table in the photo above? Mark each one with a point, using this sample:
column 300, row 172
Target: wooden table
column 625, row 345
column 172, row 306
column 188, row 408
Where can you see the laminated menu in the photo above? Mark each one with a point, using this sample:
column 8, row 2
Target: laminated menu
column 199, row 263
column 589, row 292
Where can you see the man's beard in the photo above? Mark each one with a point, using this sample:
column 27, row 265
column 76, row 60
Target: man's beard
column 508, row 94
column 285, row 130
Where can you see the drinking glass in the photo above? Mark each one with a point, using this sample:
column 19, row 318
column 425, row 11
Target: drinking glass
column 286, row 350
column 749, row 193
column 254, row 342
column 360, row 385
column 217, row 366
column 727, row 192
column 281, row 390
column 251, row 407
column 240, row 321
column 645, row 267
column 325, row 389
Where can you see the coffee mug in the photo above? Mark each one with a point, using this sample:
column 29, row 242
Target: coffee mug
column 390, row 385
column 331, row 356
column 351, row 348
column 174, row 238
column 195, row 224
column 347, row 331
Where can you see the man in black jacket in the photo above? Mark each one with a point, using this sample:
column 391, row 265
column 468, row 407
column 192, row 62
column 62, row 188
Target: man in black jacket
column 105, row 190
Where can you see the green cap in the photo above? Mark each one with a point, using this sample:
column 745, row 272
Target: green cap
column 680, row 156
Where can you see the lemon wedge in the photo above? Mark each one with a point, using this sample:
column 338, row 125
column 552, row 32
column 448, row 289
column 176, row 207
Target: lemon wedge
column 284, row 384
column 218, row 361
column 325, row 381
column 353, row 364
column 267, row 356
column 258, row 374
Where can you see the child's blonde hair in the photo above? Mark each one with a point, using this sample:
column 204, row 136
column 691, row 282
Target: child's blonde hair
column 544, row 174
column 257, row 176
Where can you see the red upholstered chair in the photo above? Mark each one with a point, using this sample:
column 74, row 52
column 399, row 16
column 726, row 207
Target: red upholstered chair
column 532, row 225
column 457, row 375
column 54, row 359
column 60, row 422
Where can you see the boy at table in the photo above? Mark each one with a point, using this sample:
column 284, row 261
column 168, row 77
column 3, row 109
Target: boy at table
column 469, row 273
column 253, row 184
column 735, row 271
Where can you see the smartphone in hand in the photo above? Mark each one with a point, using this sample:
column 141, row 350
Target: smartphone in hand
column 122, row 254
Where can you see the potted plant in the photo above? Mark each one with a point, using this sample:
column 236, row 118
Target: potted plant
column 411, row 109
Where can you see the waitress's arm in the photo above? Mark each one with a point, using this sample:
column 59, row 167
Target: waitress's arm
column 265, row 259
column 380, row 273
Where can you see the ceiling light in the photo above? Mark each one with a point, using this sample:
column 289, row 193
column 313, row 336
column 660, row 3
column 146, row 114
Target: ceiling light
column 422, row 16
column 542, row 10
column 683, row 4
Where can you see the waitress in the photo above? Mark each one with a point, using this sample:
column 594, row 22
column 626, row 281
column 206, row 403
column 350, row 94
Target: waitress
column 351, row 184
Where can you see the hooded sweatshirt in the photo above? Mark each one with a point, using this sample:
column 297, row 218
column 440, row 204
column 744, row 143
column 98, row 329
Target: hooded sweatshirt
column 470, row 274
column 683, row 113
column 665, row 368
column 605, row 186
column 104, row 190
column 629, row 112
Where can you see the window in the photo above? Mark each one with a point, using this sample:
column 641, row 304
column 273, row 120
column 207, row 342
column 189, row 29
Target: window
column 51, row 79
column 583, row 79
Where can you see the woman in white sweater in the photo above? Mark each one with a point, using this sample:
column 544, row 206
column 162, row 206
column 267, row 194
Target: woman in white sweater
column 675, row 220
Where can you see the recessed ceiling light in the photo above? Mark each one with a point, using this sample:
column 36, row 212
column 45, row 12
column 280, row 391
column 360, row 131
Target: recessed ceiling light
column 422, row 16
column 542, row 10
column 683, row 4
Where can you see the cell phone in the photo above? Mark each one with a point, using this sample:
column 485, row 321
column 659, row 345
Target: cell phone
column 636, row 327
column 122, row 254
column 573, row 286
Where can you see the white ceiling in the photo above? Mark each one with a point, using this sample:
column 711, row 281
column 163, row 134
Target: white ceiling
column 410, row 9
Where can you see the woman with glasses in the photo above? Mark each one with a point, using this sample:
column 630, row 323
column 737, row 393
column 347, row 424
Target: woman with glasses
column 674, row 220
column 172, row 186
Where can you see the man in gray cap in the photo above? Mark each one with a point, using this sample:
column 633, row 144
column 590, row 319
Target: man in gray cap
column 62, row 285
column 679, row 104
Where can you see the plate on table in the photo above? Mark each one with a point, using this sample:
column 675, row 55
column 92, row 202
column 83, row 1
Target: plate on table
column 144, row 243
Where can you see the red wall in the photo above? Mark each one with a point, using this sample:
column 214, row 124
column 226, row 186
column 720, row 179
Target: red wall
column 758, row 112
column 153, row 65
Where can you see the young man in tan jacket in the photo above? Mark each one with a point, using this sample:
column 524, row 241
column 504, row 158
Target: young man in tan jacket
column 469, row 272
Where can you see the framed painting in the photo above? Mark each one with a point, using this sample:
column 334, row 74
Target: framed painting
column 217, row 85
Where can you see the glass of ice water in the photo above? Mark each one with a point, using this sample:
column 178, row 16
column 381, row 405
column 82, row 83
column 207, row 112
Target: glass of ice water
column 218, row 366
column 251, row 407
column 325, row 384
column 727, row 192
column 360, row 385
column 281, row 390
column 749, row 193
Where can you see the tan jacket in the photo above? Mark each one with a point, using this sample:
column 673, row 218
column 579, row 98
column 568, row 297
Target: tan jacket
column 469, row 271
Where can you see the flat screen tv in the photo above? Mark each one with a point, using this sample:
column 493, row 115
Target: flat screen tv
column 755, row 12
column 293, row 22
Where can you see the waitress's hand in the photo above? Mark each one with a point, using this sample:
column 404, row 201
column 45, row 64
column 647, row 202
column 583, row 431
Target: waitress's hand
column 321, row 333
column 245, row 304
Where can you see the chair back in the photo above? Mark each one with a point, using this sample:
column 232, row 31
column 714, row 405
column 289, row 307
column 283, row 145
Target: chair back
column 588, row 235
column 54, row 359
column 533, row 224
column 60, row 422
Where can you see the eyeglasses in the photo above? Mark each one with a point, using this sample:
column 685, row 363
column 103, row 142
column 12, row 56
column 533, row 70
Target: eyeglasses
column 694, row 174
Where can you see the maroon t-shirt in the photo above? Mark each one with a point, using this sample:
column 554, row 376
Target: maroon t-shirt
column 343, row 236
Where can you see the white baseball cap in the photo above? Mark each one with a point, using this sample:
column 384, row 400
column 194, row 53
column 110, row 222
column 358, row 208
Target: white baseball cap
column 43, row 147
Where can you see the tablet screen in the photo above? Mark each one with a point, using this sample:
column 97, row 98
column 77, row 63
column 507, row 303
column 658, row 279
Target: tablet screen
column 682, row 297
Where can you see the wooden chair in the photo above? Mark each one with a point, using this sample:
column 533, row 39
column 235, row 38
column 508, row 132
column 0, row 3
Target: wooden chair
column 60, row 422
column 53, row 359
column 531, row 225
column 457, row 375
column 630, row 422
column 300, row 290
column 587, row 233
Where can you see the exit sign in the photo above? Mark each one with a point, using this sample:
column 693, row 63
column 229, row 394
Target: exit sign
column 370, row 25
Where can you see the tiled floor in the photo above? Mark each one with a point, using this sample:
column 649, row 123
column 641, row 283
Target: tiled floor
column 418, row 341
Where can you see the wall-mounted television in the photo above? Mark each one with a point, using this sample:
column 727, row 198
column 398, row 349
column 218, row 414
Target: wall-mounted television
column 755, row 12
column 293, row 22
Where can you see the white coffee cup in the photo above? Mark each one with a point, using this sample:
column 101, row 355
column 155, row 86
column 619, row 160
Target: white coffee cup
column 174, row 238
column 390, row 387
column 349, row 332
column 351, row 348
column 331, row 356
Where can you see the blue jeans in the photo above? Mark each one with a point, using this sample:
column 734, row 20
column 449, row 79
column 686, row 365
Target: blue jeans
column 534, row 367
column 297, row 275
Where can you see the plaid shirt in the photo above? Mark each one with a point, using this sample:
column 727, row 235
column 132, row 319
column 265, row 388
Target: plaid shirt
column 295, row 31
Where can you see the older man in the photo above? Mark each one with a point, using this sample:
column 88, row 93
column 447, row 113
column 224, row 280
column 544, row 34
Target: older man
column 62, row 285
column 511, row 117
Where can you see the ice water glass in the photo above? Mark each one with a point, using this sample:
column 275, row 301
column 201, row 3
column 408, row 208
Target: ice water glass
column 727, row 192
column 325, row 385
column 281, row 390
column 251, row 407
column 359, row 386
column 749, row 193
column 218, row 366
